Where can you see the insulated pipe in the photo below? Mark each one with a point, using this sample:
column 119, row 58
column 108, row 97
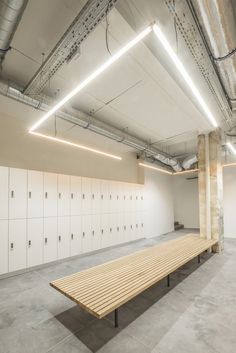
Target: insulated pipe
column 10, row 15
column 189, row 161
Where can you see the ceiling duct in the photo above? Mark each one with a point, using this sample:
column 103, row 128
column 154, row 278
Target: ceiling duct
column 86, row 121
column 217, row 20
column 189, row 161
column 10, row 15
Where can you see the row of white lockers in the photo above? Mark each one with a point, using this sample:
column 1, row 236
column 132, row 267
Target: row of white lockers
column 30, row 242
column 32, row 194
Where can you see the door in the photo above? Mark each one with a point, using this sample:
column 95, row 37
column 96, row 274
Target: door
column 75, row 195
column 75, row 236
column 4, row 174
column 96, row 232
column 63, row 237
column 17, row 193
column 50, row 239
column 3, row 246
column 96, row 196
column 34, row 242
column 50, row 195
column 63, row 195
column 86, row 196
column 35, row 194
column 17, row 244
column 86, row 233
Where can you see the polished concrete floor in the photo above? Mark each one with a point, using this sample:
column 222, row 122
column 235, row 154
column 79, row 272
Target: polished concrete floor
column 197, row 314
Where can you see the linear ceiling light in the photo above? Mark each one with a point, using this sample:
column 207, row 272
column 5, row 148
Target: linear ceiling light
column 93, row 75
column 184, row 74
column 229, row 165
column 82, row 147
column 155, row 168
column 186, row 171
column 231, row 147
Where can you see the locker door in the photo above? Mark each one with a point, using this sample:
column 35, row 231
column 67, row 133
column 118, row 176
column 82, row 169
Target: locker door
column 17, row 193
column 4, row 173
column 75, row 236
column 120, row 228
column 96, row 196
column 105, row 230
column 63, row 195
column 63, row 237
column 3, row 246
column 17, row 244
column 75, row 195
column 50, row 239
column 96, row 232
column 34, row 242
column 86, row 196
column 104, row 196
column 35, row 194
column 86, row 233
column 50, row 195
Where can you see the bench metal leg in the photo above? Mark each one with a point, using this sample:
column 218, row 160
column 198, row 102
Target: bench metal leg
column 116, row 318
column 199, row 259
column 168, row 280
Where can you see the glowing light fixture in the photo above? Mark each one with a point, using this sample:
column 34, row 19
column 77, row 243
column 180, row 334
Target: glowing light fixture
column 93, row 75
column 229, row 165
column 180, row 67
column 186, row 171
column 82, row 147
column 155, row 168
column 231, row 147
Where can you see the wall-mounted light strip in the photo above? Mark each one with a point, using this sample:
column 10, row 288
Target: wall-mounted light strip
column 229, row 165
column 82, row 147
column 231, row 147
column 180, row 67
column 186, row 171
column 155, row 168
column 93, row 75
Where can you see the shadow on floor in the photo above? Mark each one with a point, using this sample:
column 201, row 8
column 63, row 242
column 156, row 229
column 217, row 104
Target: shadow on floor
column 96, row 333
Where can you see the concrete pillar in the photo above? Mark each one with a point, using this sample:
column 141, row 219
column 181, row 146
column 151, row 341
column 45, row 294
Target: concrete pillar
column 202, row 185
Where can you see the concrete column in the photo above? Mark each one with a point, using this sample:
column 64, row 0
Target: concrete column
column 216, row 185
column 202, row 185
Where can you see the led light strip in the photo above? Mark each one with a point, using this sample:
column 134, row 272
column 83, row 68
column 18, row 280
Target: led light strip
column 94, row 75
column 82, row 147
column 184, row 73
column 186, row 171
column 155, row 168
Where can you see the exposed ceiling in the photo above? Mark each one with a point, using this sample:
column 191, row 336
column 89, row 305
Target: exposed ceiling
column 141, row 93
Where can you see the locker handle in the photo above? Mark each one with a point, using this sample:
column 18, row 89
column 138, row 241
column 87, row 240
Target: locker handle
column 83, row 196
column 131, row 227
column 83, row 234
column 130, row 197
column 93, row 233
column 102, row 231
column 29, row 243
column 117, row 197
column 136, row 197
column 12, row 246
column 110, row 230
column 124, row 227
column 124, row 197
column 93, row 196
column 136, row 225
column 59, row 195
column 12, row 194
column 142, row 224
column 118, row 229
column 102, row 197
column 29, row 194
column 46, row 195
column 110, row 197
column 59, row 238
column 46, row 240
column 72, row 236
column 72, row 195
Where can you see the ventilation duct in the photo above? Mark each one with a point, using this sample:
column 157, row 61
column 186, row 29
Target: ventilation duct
column 172, row 162
column 10, row 15
column 189, row 161
column 217, row 20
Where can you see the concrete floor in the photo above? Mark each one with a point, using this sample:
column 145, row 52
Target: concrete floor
column 196, row 314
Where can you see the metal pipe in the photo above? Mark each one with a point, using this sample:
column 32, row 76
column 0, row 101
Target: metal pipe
column 10, row 14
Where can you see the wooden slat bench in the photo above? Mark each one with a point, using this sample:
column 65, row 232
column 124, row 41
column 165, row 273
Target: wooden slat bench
column 104, row 288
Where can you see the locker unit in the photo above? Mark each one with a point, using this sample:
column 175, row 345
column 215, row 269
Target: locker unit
column 35, row 194
column 3, row 246
column 4, row 172
column 34, row 242
column 86, row 191
column 75, row 195
column 63, row 237
column 86, row 233
column 50, row 239
column 96, row 196
column 17, row 244
column 63, row 195
column 75, row 236
column 17, row 193
column 50, row 195
column 96, row 232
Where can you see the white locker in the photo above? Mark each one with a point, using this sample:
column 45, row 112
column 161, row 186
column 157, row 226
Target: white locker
column 96, row 232
column 17, row 193
column 63, row 195
column 86, row 196
column 3, row 246
column 17, row 244
column 75, row 236
column 96, row 196
column 86, row 233
column 4, row 174
column 104, row 196
column 63, row 237
column 50, row 239
column 50, row 195
column 75, row 195
column 105, row 230
column 34, row 242
column 35, row 194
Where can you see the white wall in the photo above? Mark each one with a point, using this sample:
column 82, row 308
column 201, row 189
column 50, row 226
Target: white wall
column 229, row 180
column 159, row 218
column 186, row 204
